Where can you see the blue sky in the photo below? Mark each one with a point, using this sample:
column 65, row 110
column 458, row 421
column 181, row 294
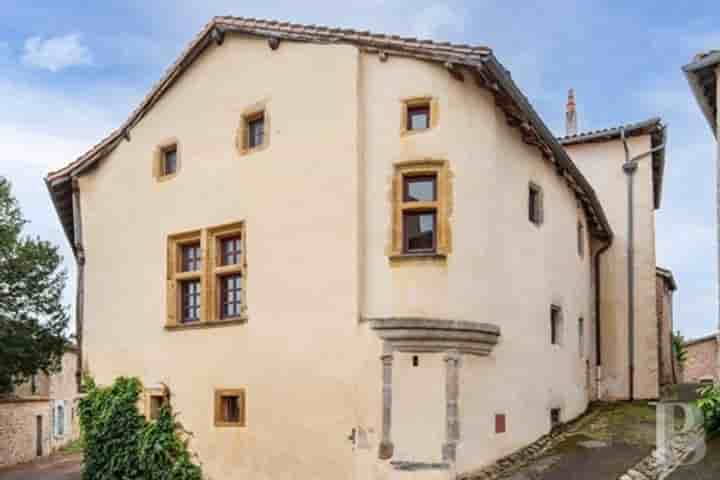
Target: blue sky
column 71, row 71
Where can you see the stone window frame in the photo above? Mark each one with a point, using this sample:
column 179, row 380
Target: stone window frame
column 240, row 393
column 418, row 101
column 159, row 151
column 442, row 207
column 536, row 215
column 154, row 392
column 241, row 135
column 210, row 273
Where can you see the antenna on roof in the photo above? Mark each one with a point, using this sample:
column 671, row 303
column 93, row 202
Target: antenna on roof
column 571, row 114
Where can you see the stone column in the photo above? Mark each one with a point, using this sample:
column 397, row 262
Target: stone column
column 452, row 414
column 386, row 446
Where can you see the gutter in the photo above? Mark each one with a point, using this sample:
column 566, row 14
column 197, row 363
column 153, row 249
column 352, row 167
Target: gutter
column 630, row 167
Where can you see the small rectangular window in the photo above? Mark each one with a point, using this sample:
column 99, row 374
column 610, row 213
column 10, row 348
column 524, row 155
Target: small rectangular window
column 555, row 417
column 535, row 212
column 500, row 423
column 419, row 230
column 418, row 117
column 190, row 299
column 169, row 164
column 255, row 130
column 191, row 258
column 231, row 250
column 231, row 296
column 230, row 408
column 555, row 325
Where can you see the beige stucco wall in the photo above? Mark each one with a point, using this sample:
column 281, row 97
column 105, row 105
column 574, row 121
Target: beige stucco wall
column 317, row 209
column 602, row 163
column 665, row 329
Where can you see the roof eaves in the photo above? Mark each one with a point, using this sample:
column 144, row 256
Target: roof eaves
column 706, row 338
column 702, row 78
column 667, row 275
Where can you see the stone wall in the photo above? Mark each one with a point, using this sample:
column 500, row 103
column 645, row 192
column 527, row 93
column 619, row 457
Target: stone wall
column 701, row 361
column 18, row 429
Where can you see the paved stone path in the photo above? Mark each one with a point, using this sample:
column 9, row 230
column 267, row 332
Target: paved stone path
column 51, row 468
column 707, row 469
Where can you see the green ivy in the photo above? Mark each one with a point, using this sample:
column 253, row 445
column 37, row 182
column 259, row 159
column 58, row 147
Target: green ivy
column 709, row 403
column 121, row 445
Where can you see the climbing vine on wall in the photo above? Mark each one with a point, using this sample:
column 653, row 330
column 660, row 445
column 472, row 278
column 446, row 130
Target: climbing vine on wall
column 121, row 444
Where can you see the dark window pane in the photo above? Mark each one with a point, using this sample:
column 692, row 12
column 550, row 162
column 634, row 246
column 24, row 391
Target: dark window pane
column 231, row 296
column 231, row 250
column 169, row 161
column 420, row 189
column 190, row 301
column 534, row 205
column 191, row 258
column 256, row 131
column 419, row 231
column 230, row 409
column 418, row 117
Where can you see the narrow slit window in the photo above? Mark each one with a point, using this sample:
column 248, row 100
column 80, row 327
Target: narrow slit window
column 580, row 239
column 535, row 212
column 555, row 325
column 581, row 336
column 418, row 117
column 555, row 417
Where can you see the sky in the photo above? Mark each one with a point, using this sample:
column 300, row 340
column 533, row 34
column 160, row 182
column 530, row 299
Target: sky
column 72, row 71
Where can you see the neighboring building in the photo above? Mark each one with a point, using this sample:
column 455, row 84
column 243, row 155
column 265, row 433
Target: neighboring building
column 344, row 254
column 665, row 288
column 40, row 416
column 600, row 155
column 702, row 74
column 701, row 363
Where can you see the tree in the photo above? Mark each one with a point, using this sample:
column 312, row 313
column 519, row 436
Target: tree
column 33, row 320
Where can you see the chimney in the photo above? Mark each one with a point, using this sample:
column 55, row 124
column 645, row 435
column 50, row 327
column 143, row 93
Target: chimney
column 571, row 114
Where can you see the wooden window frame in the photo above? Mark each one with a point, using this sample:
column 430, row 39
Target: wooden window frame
column 210, row 275
column 242, row 399
column 440, row 206
column 536, row 210
column 158, row 163
column 415, row 102
column 242, row 136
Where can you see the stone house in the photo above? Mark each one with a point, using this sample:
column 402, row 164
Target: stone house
column 455, row 284
column 40, row 416
column 701, row 364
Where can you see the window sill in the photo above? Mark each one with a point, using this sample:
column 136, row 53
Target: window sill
column 250, row 150
column 229, row 425
column 166, row 177
column 211, row 324
column 418, row 255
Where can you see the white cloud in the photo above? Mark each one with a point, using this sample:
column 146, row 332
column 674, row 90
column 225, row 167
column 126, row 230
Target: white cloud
column 56, row 53
column 436, row 19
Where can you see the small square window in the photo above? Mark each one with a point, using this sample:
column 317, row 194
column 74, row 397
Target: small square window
column 191, row 258
column 231, row 296
column 419, row 230
column 169, row 160
column 420, row 189
column 255, row 130
column 418, row 117
column 229, row 408
column 156, row 403
column 190, row 301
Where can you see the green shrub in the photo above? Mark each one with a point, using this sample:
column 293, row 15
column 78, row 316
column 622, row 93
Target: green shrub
column 709, row 403
column 121, row 445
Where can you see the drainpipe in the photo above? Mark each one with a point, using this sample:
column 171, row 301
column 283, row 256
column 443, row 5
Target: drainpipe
column 630, row 167
column 598, row 329
column 80, row 292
